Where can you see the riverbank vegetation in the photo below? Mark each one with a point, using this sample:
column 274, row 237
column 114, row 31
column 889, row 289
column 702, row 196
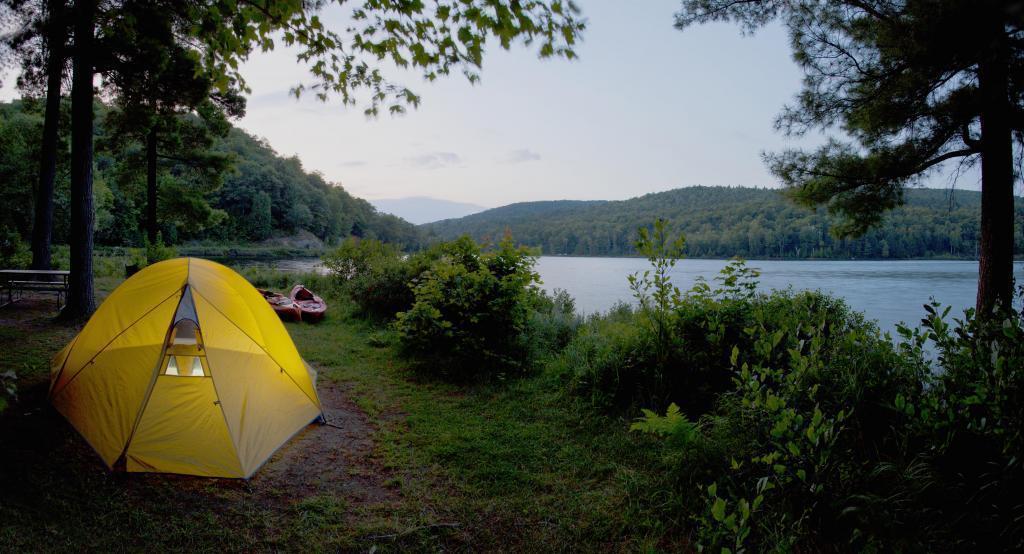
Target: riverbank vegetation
column 778, row 420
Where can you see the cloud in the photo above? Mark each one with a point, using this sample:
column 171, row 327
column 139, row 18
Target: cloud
column 522, row 155
column 435, row 160
column 353, row 163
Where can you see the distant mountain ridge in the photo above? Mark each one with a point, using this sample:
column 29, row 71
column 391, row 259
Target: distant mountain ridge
column 424, row 209
column 525, row 210
column 721, row 222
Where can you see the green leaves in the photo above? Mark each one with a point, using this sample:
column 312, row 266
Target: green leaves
column 870, row 68
column 726, row 530
column 471, row 310
column 653, row 289
column 718, row 509
column 436, row 38
column 674, row 425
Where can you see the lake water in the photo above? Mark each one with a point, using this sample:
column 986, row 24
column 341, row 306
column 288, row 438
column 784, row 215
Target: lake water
column 889, row 291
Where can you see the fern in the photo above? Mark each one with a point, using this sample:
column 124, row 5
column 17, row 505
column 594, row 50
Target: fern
column 673, row 425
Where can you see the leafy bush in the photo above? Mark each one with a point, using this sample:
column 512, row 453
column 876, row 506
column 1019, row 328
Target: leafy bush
column 375, row 275
column 471, row 311
column 870, row 445
column 971, row 419
column 14, row 254
column 676, row 347
column 823, row 432
column 606, row 353
column 355, row 256
column 553, row 322
column 816, row 411
column 158, row 252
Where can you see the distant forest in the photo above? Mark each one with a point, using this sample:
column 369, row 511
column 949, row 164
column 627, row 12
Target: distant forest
column 261, row 195
column 721, row 222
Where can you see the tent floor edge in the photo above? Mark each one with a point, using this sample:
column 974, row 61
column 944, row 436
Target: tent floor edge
column 278, row 447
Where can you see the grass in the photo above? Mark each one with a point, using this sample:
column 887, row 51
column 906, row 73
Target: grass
column 497, row 467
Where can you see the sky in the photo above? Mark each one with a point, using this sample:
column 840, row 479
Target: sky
column 645, row 108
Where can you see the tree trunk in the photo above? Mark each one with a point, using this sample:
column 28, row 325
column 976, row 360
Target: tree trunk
column 995, row 267
column 42, row 228
column 81, row 300
column 151, row 224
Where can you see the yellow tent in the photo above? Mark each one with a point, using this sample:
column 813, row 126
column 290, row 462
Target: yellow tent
column 184, row 369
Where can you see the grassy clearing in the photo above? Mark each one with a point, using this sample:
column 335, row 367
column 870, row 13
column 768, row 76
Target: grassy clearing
column 508, row 466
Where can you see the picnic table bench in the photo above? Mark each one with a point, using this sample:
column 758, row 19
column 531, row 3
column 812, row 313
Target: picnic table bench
column 34, row 280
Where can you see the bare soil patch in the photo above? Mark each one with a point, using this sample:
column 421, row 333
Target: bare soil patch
column 336, row 459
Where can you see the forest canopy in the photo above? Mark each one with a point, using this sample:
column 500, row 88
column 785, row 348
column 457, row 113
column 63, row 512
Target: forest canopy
column 261, row 195
column 721, row 222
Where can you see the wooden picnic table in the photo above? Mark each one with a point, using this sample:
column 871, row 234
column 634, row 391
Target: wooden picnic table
column 39, row 280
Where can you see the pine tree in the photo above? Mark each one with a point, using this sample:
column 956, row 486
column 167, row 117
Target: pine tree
column 913, row 84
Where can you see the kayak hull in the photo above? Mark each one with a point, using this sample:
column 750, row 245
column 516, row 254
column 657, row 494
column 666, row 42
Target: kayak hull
column 312, row 306
column 283, row 306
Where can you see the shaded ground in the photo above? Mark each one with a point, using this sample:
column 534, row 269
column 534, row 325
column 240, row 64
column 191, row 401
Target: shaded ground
column 406, row 464
column 327, row 476
column 335, row 459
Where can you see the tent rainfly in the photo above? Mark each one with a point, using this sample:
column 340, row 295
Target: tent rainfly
column 184, row 369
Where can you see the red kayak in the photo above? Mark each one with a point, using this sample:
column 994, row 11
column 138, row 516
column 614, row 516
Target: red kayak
column 311, row 305
column 285, row 307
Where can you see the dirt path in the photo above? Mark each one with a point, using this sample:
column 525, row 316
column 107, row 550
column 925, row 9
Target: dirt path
column 335, row 459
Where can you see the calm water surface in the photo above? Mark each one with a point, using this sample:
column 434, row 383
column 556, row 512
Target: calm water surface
column 889, row 292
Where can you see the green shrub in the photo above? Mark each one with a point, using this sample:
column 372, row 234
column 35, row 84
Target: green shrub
column 158, row 252
column 375, row 275
column 605, row 355
column 831, row 436
column 817, row 418
column 60, row 256
column 384, row 289
column 14, row 253
column 553, row 322
column 972, row 422
column 354, row 256
column 673, row 347
column 471, row 311
column 803, row 439
column 676, row 347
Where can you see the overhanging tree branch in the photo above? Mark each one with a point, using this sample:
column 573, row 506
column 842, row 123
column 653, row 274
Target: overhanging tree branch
column 939, row 159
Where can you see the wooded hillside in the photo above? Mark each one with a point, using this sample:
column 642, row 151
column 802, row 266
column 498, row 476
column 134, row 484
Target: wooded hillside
column 721, row 222
column 261, row 195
